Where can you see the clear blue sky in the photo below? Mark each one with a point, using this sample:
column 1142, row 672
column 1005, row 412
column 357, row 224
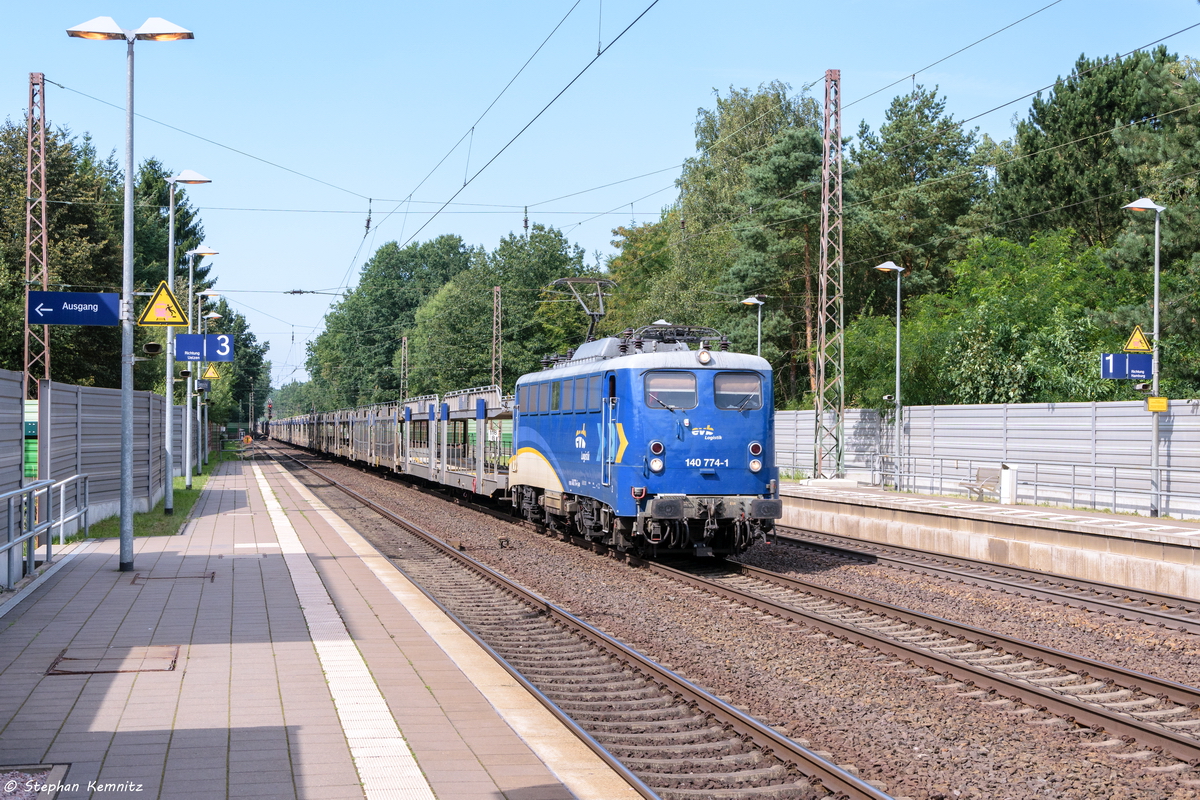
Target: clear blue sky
column 369, row 96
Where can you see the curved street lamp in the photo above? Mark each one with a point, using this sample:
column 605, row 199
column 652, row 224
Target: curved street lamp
column 188, row 448
column 755, row 301
column 154, row 29
column 187, row 177
column 890, row 266
column 1146, row 204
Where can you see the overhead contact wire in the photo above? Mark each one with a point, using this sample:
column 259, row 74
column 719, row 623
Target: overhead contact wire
column 213, row 142
column 536, row 117
column 495, row 100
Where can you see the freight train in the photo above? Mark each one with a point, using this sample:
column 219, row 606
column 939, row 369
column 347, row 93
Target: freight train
column 641, row 442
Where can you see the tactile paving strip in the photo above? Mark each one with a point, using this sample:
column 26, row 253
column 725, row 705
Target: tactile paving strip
column 381, row 754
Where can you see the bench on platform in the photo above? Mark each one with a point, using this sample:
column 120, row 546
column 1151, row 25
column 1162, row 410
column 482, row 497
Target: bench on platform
column 987, row 479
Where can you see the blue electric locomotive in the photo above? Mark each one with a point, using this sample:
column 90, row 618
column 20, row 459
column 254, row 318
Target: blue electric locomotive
column 646, row 445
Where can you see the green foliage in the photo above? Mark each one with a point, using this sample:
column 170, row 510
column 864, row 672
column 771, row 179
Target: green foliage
column 918, row 179
column 299, row 397
column 85, row 220
column 701, row 227
column 85, row 250
column 1020, row 266
column 1070, row 177
column 643, row 270
column 450, row 346
column 1019, row 326
column 779, row 256
column 351, row 360
column 742, row 124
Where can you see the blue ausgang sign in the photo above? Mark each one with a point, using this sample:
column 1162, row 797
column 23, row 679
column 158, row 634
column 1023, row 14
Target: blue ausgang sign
column 204, row 347
column 74, row 308
column 1127, row 366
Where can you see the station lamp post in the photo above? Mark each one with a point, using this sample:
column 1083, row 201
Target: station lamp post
column 188, row 177
column 187, row 420
column 755, row 301
column 154, row 29
column 891, row 266
column 1146, row 204
column 203, row 415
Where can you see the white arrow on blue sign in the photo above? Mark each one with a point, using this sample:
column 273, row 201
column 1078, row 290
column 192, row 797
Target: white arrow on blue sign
column 203, row 347
column 1127, row 366
column 74, row 308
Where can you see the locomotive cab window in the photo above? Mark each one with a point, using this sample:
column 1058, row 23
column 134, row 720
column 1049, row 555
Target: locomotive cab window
column 523, row 402
column 741, row 391
column 673, row 390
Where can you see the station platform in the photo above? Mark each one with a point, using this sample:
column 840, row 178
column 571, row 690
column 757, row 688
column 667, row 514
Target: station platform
column 1153, row 554
column 269, row 652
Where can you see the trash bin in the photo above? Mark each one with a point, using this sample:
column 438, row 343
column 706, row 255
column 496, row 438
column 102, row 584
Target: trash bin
column 1008, row 484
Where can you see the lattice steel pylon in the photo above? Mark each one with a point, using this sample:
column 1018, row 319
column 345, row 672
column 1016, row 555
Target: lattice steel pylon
column 497, row 342
column 37, row 236
column 830, row 401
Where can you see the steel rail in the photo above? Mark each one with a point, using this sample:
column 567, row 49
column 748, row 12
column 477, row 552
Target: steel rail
column 808, row 763
column 1007, row 578
column 1180, row 746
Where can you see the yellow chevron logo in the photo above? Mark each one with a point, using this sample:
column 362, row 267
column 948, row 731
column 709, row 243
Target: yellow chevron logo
column 623, row 440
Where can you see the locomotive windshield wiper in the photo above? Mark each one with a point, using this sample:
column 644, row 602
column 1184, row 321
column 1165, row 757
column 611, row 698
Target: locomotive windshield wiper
column 745, row 400
column 661, row 404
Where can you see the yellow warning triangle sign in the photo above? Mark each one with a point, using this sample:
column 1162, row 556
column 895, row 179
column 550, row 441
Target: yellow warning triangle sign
column 163, row 309
column 211, row 372
column 1138, row 343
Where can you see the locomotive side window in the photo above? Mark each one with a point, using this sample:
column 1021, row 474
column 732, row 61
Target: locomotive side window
column 544, row 398
column 568, row 387
column 523, row 400
column 581, row 394
column 737, row 390
column 556, row 396
column 594, row 393
column 673, row 390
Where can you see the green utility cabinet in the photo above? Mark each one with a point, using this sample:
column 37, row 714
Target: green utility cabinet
column 31, row 438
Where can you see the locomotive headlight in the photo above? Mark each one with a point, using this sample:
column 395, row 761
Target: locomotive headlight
column 657, row 448
column 755, row 465
column 755, row 449
column 656, row 465
column 704, row 357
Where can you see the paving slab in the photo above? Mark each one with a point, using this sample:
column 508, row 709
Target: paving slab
column 307, row 667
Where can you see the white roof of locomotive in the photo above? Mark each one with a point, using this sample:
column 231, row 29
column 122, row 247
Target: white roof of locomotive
column 678, row 357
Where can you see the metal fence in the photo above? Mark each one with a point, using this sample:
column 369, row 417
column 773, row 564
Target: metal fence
column 12, row 437
column 22, row 529
column 80, row 433
column 1091, row 455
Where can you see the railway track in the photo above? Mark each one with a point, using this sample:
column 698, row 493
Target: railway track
column 1160, row 715
column 1162, row 610
column 1027, row 679
column 670, row 738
